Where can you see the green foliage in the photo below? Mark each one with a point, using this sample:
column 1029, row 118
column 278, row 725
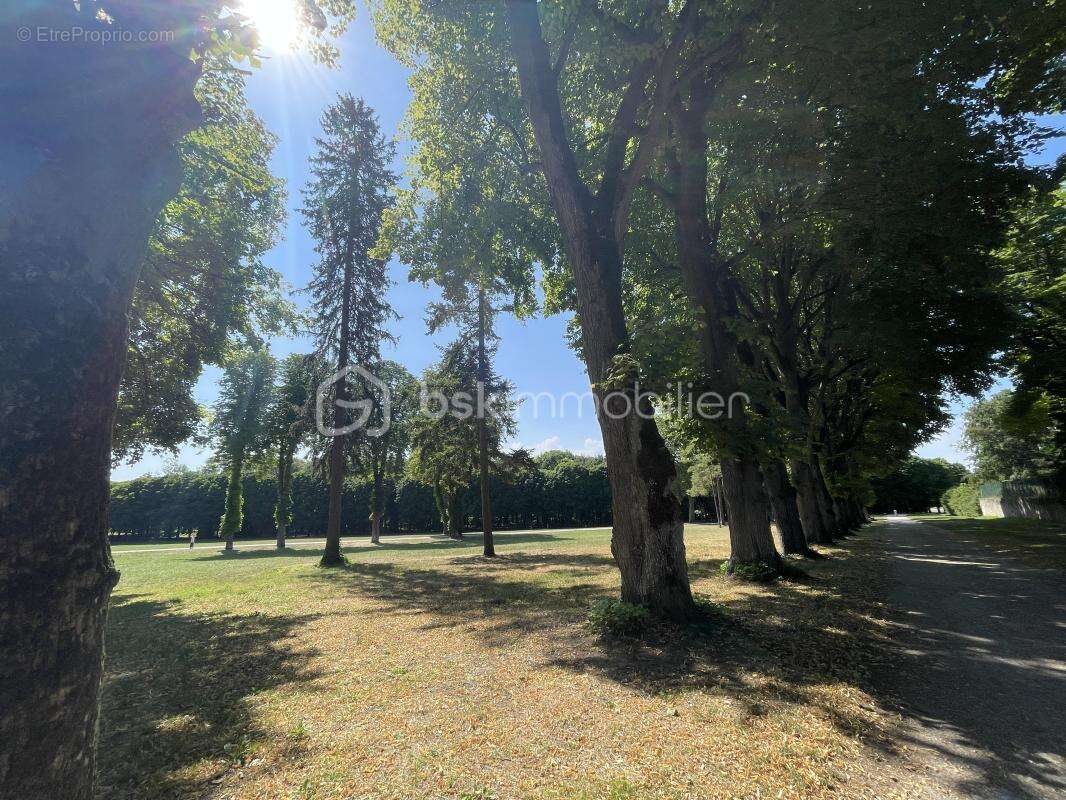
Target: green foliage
column 610, row 617
column 963, row 500
column 556, row 490
column 444, row 438
column 239, row 425
column 916, row 485
column 1034, row 262
column 204, row 285
column 752, row 571
column 344, row 201
column 1007, row 443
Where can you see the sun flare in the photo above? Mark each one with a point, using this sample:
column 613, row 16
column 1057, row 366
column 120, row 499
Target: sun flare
column 276, row 21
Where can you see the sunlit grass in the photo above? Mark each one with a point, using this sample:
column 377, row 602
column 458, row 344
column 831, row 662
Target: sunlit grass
column 423, row 670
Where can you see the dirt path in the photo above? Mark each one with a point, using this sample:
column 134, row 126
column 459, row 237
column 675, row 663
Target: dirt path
column 982, row 688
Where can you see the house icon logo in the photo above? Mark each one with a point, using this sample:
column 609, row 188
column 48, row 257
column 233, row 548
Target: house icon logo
column 375, row 396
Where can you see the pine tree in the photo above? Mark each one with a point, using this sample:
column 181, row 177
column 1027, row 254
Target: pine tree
column 343, row 206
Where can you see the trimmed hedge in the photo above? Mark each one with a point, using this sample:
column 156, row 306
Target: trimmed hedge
column 565, row 491
column 963, row 500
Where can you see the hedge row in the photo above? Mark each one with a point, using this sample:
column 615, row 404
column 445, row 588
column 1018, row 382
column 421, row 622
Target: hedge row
column 563, row 492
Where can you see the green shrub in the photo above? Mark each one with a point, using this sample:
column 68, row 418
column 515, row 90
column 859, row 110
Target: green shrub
column 963, row 500
column 617, row 618
column 754, row 571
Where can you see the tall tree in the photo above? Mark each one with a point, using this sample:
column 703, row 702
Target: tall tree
column 1034, row 259
column 450, row 441
column 82, row 123
column 1008, row 444
column 240, row 427
column 343, row 206
column 590, row 118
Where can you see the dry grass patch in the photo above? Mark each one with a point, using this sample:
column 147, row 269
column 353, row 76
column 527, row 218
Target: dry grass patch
column 426, row 671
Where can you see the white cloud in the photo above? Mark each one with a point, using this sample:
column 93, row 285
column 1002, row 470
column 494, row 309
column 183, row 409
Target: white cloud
column 551, row 443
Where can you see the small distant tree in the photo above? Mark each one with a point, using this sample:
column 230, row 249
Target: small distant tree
column 450, row 443
column 343, row 206
column 290, row 420
column 240, row 427
column 379, row 450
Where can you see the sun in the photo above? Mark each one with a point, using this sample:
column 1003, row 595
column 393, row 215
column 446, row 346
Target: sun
column 276, row 21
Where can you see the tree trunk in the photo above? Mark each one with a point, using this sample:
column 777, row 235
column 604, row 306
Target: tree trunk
column 706, row 279
column 782, row 496
column 232, row 517
column 283, row 509
column 455, row 530
column 89, row 161
column 814, row 526
column 489, row 548
column 825, row 501
column 745, row 498
column 691, row 509
column 376, row 509
column 647, row 537
column 331, row 556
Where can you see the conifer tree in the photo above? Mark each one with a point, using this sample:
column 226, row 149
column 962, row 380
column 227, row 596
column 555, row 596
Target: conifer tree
column 343, row 206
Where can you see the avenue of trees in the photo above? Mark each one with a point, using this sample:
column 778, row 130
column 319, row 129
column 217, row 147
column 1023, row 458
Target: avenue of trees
column 822, row 205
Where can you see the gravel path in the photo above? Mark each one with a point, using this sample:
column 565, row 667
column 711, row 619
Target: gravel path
column 982, row 689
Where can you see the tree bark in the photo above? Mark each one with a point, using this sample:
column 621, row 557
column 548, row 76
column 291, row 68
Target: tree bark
column 782, row 496
column 376, row 509
column 489, row 547
column 691, row 508
column 283, row 509
column 706, row 281
column 814, row 526
column 89, row 135
column 455, row 530
column 331, row 555
column 825, row 500
column 748, row 515
column 647, row 537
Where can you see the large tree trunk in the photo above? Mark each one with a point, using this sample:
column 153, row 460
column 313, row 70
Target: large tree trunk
column 233, row 516
column 825, row 500
column 451, row 503
column 782, row 496
column 705, row 278
column 748, row 514
column 88, row 136
column 647, row 538
column 810, row 512
column 283, row 509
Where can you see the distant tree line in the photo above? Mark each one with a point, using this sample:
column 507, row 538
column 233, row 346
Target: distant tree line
column 563, row 490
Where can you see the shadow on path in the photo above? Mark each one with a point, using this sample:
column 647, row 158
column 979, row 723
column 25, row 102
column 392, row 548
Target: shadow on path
column 981, row 678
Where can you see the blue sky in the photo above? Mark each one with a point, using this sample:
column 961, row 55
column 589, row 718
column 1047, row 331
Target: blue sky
column 290, row 92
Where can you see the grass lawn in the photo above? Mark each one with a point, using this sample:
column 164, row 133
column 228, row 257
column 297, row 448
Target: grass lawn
column 425, row 671
column 1038, row 543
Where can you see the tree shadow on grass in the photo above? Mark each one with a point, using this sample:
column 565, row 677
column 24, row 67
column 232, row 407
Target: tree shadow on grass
column 792, row 643
column 442, row 543
column 175, row 708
